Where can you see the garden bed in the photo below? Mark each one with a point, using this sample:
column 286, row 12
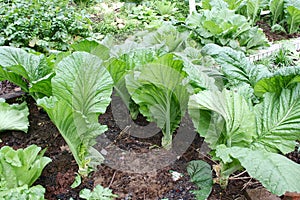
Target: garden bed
column 58, row 175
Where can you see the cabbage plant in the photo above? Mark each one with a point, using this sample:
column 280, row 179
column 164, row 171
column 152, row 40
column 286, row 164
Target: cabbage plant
column 32, row 72
column 81, row 92
column 159, row 90
column 251, row 137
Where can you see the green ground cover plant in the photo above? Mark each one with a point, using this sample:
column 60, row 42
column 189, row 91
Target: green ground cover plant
column 42, row 25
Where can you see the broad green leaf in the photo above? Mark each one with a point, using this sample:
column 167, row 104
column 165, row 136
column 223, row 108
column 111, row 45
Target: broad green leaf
column 159, row 91
column 92, row 47
column 198, row 79
column 276, row 172
column 293, row 19
column 21, row 167
column 81, row 92
column 14, row 78
column 237, row 127
column 278, row 121
column 212, row 27
column 121, row 66
column 276, row 8
column 253, row 8
column 166, row 36
column 201, row 174
column 285, row 77
column 13, row 117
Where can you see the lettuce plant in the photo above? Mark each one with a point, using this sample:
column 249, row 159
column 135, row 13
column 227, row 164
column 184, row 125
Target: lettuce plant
column 21, row 167
column 161, row 94
column 251, row 137
column 13, row 117
column 81, row 92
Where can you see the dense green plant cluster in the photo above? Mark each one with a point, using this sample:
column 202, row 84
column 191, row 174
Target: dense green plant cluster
column 216, row 23
column 282, row 15
column 123, row 19
column 284, row 57
column 41, row 24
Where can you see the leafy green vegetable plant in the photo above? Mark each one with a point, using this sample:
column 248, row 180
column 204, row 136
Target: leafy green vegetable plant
column 161, row 94
column 13, row 117
column 32, row 72
column 241, row 134
column 285, row 14
column 81, row 92
column 223, row 27
column 201, row 174
column 99, row 192
column 24, row 192
column 249, row 78
column 19, row 169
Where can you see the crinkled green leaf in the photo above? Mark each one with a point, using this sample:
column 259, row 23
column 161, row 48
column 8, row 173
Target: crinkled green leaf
column 13, row 117
column 237, row 127
column 235, row 65
column 278, row 121
column 276, row 172
column 81, row 91
column 159, row 91
column 201, row 174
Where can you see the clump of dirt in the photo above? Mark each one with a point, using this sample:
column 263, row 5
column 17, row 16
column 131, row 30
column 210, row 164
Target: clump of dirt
column 275, row 36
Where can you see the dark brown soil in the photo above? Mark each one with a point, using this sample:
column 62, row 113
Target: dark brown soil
column 275, row 36
column 60, row 173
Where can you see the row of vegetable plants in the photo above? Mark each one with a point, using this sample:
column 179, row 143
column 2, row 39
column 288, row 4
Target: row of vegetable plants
column 247, row 114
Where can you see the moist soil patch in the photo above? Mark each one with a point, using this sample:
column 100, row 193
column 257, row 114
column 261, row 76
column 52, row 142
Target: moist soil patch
column 58, row 176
